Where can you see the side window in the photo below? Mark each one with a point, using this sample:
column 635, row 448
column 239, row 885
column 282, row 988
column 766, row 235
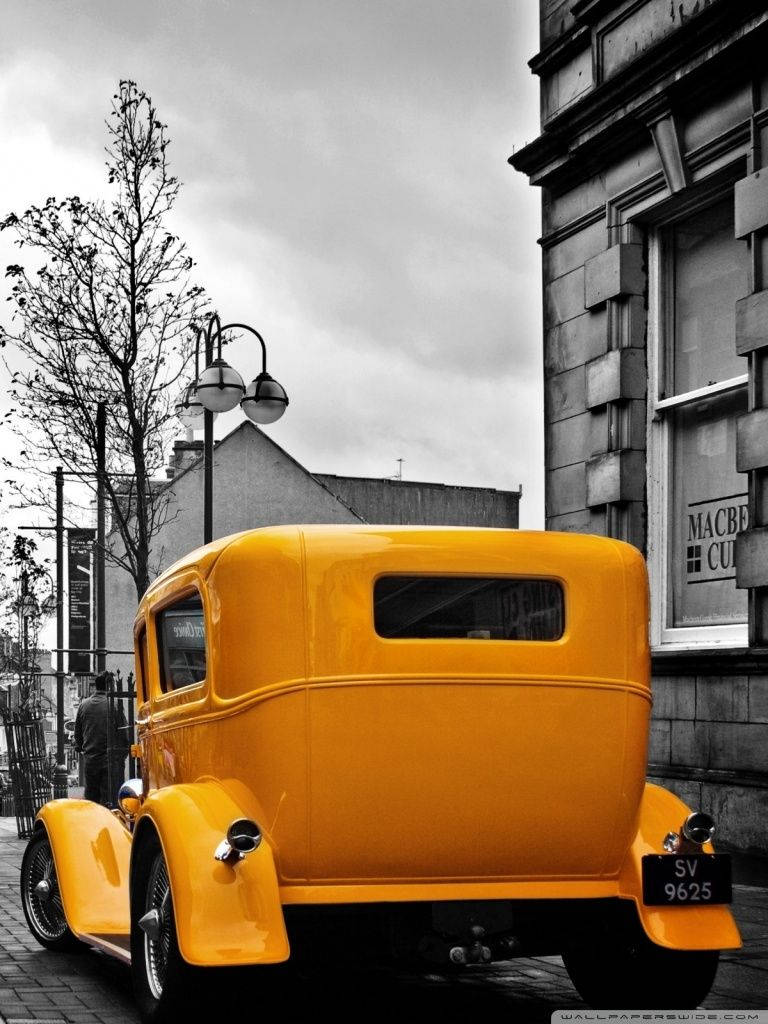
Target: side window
column 181, row 640
column 142, row 690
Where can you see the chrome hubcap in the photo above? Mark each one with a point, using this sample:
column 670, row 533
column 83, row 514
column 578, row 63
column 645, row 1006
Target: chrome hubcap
column 44, row 889
column 41, row 894
column 156, row 923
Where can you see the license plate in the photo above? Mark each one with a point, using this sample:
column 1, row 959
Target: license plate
column 672, row 879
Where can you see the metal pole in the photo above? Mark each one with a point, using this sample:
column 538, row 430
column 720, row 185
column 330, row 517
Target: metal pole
column 208, row 454
column 24, row 622
column 101, row 462
column 60, row 773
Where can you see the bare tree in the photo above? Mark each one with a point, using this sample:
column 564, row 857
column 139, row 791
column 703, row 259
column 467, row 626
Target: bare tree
column 106, row 317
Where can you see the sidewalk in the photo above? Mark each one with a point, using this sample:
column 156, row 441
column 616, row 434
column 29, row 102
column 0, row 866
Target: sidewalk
column 91, row 988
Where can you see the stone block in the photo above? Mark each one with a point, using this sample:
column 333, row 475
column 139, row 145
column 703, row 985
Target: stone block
column 568, row 441
column 752, row 558
column 575, row 342
column 565, row 490
column 616, row 376
column 690, row 743
column 583, row 200
column 633, row 524
column 722, row 699
column 616, row 272
column 736, row 746
column 636, row 28
column 564, row 298
column 740, row 814
column 635, row 321
column 598, row 521
column 634, row 425
column 600, row 435
column 751, row 204
column 565, row 395
column 571, row 522
column 555, row 20
column 674, row 697
column 563, row 85
column 659, row 741
column 758, row 699
column 573, row 251
column 751, row 323
column 616, row 476
column 752, row 440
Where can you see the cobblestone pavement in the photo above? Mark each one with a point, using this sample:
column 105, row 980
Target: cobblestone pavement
column 90, row 988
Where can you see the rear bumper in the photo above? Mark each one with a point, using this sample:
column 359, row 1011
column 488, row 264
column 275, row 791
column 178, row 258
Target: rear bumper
column 427, row 892
column 675, row 927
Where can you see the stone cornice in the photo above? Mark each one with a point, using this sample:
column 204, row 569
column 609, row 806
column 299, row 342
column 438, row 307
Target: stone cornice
column 560, row 51
column 697, row 56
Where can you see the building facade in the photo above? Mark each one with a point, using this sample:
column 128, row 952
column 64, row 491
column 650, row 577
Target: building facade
column 257, row 483
column 653, row 166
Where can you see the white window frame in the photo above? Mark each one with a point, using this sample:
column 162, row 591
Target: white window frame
column 659, row 489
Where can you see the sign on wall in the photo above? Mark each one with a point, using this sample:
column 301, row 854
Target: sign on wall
column 711, row 538
column 80, row 558
column 710, row 510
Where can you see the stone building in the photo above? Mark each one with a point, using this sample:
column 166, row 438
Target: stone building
column 653, row 166
column 257, row 483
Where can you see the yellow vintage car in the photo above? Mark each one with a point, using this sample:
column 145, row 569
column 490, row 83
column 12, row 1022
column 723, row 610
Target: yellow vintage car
column 442, row 731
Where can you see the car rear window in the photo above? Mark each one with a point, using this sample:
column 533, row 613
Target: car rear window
column 470, row 607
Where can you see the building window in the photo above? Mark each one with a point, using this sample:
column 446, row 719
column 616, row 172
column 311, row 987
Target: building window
column 698, row 388
column 181, row 638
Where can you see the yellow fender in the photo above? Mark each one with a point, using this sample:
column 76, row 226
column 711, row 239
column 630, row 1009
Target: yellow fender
column 225, row 915
column 92, row 853
column 680, row 927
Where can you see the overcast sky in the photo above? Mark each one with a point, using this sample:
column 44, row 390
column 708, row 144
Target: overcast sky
column 346, row 191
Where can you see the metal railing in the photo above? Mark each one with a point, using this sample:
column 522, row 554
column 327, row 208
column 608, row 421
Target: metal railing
column 29, row 766
column 31, row 761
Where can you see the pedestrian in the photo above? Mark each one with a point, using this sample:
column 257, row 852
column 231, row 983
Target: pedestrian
column 103, row 743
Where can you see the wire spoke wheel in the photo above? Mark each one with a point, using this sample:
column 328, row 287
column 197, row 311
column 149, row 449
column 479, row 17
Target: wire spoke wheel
column 41, row 890
column 166, row 987
column 157, row 949
column 41, row 897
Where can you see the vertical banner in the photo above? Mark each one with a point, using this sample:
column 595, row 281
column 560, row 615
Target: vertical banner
column 79, row 557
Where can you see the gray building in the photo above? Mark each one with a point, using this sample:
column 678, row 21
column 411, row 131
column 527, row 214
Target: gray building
column 257, row 483
column 424, row 504
column 653, row 166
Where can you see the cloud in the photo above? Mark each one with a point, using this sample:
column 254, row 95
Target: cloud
column 345, row 189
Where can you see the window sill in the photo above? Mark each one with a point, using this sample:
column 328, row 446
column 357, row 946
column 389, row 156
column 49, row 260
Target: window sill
column 716, row 660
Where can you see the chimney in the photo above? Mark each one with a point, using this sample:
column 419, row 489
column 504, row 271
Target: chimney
column 184, row 454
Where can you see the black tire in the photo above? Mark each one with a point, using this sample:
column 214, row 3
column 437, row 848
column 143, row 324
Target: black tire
column 41, row 898
column 636, row 974
column 164, row 984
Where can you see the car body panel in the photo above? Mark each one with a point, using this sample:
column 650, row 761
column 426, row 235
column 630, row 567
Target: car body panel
column 92, row 852
column 226, row 914
column 392, row 770
column 679, row 927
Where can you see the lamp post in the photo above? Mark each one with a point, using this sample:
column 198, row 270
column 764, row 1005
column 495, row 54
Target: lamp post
column 220, row 388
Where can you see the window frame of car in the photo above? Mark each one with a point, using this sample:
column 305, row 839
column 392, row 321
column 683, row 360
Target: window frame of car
column 141, row 659
column 194, row 692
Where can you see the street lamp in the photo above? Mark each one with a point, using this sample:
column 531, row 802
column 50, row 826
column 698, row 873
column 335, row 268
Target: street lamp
column 220, row 388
